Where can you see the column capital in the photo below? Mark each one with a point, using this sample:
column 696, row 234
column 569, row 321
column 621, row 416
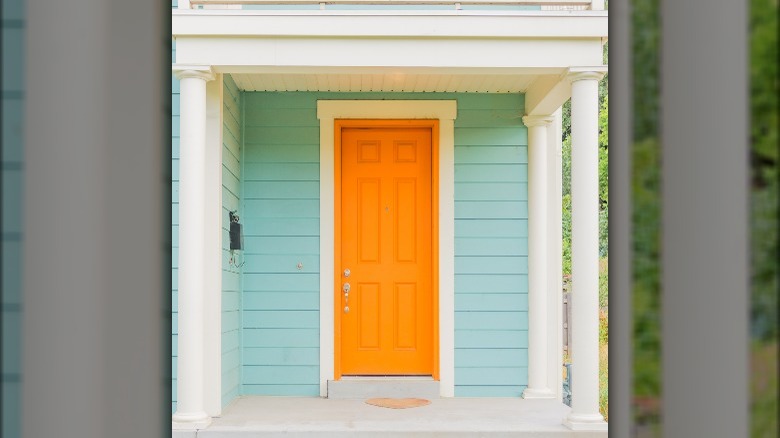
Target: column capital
column 583, row 73
column 537, row 120
column 194, row 71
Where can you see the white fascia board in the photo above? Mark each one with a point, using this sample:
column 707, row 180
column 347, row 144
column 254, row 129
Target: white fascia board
column 397, row 24
column 303, row 55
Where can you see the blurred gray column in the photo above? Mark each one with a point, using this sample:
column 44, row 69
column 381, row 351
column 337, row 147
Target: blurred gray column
column 704, row 137
column 97, row 258
column 620, row 248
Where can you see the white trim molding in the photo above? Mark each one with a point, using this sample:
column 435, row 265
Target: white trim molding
column 212, row 309
column 204, row 72
column 584, row 413
column 554, row 256
column 446, row 112
column 538, row 287
column 193, row 240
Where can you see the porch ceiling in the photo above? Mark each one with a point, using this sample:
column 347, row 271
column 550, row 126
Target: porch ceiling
column 397, row 81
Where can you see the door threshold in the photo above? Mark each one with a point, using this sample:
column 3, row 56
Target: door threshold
column 384, row 386
column 384, row 378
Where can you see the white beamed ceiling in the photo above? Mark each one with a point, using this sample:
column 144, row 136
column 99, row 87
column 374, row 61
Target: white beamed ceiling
column 390, row 82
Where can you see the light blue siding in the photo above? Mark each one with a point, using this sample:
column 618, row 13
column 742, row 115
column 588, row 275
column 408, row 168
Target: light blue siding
column 280, row 204
column 231, row 278
column 12, row 174
column 491, row 247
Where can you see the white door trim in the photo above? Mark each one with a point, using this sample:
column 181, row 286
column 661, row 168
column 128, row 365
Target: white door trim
column 446, row 112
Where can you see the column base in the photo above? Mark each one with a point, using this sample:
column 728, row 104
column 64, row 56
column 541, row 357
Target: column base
column 585, row 422
column 542, row 393
column 190, row 421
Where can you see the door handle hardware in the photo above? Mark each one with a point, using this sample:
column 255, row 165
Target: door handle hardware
column 346, row 288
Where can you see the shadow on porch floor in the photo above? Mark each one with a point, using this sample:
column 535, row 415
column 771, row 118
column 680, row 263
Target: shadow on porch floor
column 254, row 416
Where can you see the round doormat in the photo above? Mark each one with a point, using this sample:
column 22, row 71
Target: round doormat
column 398, row 403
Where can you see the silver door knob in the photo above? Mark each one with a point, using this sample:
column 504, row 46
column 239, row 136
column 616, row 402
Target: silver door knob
column 346, row 288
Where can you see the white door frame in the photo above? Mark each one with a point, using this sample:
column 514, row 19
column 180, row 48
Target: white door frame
column 446, row 112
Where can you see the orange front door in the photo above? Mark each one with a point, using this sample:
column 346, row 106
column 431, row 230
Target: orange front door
column 386, row 229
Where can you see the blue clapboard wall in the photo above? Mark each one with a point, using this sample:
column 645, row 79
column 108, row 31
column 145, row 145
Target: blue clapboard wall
column 231, row 278
column 280, row 204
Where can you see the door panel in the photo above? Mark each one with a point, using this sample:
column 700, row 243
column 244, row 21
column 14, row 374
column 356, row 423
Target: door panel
column 386, row 243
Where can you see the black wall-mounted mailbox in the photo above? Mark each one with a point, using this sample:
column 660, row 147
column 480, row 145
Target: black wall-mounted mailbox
column 236, row 237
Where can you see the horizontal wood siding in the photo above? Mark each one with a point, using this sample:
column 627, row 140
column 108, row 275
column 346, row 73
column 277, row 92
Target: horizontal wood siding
column 280, row 204
column 491, row 247
column 231, row 276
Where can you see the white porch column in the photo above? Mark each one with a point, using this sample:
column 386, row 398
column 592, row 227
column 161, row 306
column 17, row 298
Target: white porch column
column 585, row 252
column 190, row 407
column 212, row 300
column 537, row 260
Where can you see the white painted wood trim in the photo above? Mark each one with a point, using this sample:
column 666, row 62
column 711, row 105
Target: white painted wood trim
column 559, row 22
column 190, row 407
column 327, row 248
column 584, row 413
column 446, row 112
column 555, row 256
column 538, row 243
column 212, row 310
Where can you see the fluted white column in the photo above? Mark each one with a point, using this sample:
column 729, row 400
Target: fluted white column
column 537, row 259
column 190, row 407
column 585, row 252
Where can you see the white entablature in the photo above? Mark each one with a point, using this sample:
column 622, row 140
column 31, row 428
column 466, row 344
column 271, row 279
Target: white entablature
column 396, row 50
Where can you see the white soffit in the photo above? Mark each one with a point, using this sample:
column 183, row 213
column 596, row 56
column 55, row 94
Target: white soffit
column 389, row 82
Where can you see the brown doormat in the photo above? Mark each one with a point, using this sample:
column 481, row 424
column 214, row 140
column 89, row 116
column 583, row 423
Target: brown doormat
column 398, row 403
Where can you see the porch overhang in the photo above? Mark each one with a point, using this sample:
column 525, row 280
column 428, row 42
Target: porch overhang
column 396, row 51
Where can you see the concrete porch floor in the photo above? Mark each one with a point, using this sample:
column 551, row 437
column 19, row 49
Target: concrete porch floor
column 255, row 416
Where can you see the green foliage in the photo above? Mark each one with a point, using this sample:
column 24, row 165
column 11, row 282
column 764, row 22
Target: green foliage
column 764, row 196
column 604, row 177
column 764, row 220
column 604, row 284
column 764, row 385
column 645, row 51
column 566, row 165
column 764, row 248
column 603, row 183
column 566, row 218
column 645, row 181
column 764, row 84
column 646, row 246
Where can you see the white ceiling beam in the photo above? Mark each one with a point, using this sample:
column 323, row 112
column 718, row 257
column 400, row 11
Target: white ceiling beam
column 428, row 24
column 500, row 55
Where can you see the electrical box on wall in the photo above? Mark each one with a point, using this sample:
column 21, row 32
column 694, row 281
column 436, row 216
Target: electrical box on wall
column 236, row 237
